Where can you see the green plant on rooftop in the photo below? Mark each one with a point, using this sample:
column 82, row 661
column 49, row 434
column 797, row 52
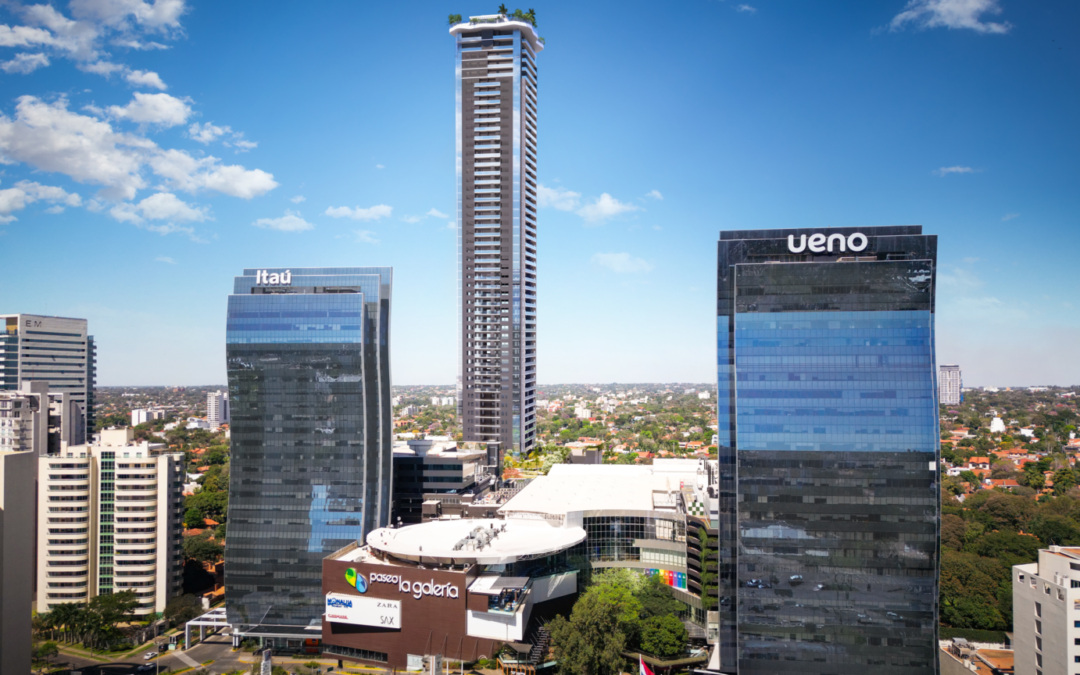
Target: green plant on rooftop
column 454, row 19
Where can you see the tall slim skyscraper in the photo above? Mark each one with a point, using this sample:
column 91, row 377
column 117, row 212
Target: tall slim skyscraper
column 50, row 349
column 827, row 409
column 309, row 388
column 497, row 200
column 950, row 385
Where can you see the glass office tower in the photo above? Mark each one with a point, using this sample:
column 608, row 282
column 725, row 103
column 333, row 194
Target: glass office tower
column 497, row 201
column 828, row 450
column 309, row 383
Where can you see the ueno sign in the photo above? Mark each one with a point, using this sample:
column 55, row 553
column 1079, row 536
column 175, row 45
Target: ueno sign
column 275, row 279
column 820, row 243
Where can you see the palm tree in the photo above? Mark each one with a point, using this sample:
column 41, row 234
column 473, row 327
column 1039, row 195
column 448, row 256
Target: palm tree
column 502, row 9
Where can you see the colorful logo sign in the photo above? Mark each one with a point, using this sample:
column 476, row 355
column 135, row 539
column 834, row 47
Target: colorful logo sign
column 356, row 580
column 669, row 577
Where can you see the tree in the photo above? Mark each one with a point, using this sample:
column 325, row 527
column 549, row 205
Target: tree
column 971, row 478
column 591, row 642
column 663, row 636
column 656, row 599
column 193, row 517
column 46, row 651
column 503, row 10
column 183, row 608
column 202, row 548
column 1055, row 530
column 971, row 591
column 952, row 531
column 1064, row 480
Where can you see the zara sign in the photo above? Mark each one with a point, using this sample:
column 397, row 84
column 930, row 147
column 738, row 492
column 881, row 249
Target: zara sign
column 820, row 243
column 275, row 279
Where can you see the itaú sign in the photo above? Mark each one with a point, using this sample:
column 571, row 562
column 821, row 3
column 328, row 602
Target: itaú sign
column 275, row 279
column 820, row 243
column 362, row 611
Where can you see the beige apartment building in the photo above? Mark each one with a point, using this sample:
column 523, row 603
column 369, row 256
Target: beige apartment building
column 1046, row 613
column 109, row 520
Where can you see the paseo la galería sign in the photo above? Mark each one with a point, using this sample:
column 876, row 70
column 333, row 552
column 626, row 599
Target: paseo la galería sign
column 820, row 243
column 417, row 589
column 262, row 278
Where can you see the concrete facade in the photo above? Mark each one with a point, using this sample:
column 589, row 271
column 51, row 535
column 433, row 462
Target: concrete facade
column 16, row 559
column 109, row 520
column 1046, row 609
column 950, row 384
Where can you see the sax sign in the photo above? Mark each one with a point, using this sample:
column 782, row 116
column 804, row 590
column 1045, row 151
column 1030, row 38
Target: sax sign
column 361, row 611
column 820, row 243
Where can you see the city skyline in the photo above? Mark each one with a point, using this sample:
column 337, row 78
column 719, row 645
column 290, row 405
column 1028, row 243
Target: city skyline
column 785, row 117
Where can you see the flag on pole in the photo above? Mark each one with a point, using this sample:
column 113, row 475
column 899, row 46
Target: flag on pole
column 642, row 668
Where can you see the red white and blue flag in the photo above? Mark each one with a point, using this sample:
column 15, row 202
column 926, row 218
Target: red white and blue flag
column 642, row 668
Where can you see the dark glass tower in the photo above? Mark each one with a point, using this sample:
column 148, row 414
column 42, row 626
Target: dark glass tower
column 496, row 165
column 309, row 382
column 828, row 451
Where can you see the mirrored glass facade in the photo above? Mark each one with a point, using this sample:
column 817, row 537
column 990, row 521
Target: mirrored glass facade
column 309, row 381
column 828, row 400
column 497, row 209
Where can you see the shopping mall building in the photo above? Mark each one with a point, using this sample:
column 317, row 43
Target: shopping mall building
column 464, row 587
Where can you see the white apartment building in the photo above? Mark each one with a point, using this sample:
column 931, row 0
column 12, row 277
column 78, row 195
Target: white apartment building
column 109, row 520
column 144, row 415
column 32, row 419
column 49, row 349
column 582, row 413
column 950, row 385
column 217, row 409
column 1046, row 613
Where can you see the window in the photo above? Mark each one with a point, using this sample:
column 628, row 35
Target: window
column 1038, row 626
column 1038, row 643
column 1038, row 609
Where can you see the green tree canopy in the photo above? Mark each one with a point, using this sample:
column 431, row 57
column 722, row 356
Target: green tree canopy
column 592, row 640
column 202, row 548
column 664, row 636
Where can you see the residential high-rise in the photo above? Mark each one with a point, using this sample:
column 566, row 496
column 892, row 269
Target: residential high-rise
column 496, row 212
column 309, row 385
column 829, row 510
column 109, row 520
column 34, row 420
column 16, row 562
column 50, row 349
column 217, row 409
column 950, row 385
column 1045, row 595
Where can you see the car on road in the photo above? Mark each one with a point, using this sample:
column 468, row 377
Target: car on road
column 146, row 668
column 149, row 655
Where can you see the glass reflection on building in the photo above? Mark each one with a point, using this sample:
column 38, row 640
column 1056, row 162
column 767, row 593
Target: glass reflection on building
column 828, row 416
column 309, row 381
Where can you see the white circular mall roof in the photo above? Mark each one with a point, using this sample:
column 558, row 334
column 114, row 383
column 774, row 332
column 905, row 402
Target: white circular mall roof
column 437, row 539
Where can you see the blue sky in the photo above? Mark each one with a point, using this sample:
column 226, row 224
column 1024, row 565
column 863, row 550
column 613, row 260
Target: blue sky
column 151, row 151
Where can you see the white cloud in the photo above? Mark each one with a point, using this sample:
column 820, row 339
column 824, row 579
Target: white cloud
column 379, row 166
column 946, row 170
column 158, row 15
column 241, row 145
column 290, row 222
column 435, row 213
column 365, row 237
column 172, row 228
column 952, row 14
column 655, row 194
column 141, row 46
column 206, row 133
column 25, row 63
column 1009, row 216
column 298, row 198
column 657, row 228
column 24, row 36
column 160, row 206
column 410, row 219
column 25, row 193
column 165, row 259
column 451, row 225
column 145, row 78
column 163, row 109
column 621, row 263
column 372, row 213
column 54, row 210
column 558, row 198
column 745, row 8
column 103, row 68
column 49, row 137
column 603, row 207
column 187, row 173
